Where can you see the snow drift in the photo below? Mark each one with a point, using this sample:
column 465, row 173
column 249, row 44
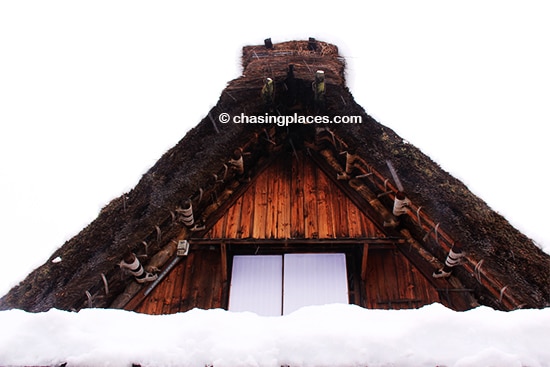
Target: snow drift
column 330, row 335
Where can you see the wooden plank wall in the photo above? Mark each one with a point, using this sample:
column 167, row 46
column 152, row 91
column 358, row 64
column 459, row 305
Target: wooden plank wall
column 393, row 283
column 293, row 199
column 196, row 282
column 290, row 199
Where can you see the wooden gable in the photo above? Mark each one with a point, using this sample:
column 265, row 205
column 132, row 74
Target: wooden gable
column 292, row 198
column 292, row 206
column 304, row 188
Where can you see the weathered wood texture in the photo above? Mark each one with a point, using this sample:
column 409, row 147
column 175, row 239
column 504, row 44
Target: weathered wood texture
column 392, row 282
column 196, row 282
column 293, row 199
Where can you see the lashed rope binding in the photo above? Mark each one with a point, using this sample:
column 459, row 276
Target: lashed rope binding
column 133, row 266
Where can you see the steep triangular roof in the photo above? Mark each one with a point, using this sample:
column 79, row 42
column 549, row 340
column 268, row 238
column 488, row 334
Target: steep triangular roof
column 502, row 267
column 297, row 204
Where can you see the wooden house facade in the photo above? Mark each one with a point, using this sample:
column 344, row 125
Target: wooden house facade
column 268, row 217
column 292, row 207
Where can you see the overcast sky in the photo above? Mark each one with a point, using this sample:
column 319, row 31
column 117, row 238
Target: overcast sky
column 93, row 93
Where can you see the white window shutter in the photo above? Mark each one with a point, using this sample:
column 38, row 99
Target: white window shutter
column 256, row 284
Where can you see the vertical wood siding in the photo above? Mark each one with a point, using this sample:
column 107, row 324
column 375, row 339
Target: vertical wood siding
column 393, row 283
column 196, row 282
column 291, row 199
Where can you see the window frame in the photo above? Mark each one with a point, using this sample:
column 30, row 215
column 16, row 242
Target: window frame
column 290, row 256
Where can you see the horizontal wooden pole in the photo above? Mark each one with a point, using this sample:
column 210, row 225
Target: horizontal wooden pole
column 298, row 241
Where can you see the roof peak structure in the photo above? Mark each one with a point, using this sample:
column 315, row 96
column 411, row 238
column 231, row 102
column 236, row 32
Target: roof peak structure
column 246, row 181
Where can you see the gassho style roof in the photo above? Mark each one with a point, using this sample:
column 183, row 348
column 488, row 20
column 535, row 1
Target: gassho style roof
column 290, row 108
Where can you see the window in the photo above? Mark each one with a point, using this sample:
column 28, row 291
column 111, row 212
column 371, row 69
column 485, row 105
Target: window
column 256, row 284
column 280, row 284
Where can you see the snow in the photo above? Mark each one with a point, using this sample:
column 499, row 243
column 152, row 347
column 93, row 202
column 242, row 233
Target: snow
column 92, row 94
column 329, row 335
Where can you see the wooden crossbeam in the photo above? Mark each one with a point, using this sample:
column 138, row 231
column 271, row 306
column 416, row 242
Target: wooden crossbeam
column 355, row 197
column 219, row 212
column 360, row 241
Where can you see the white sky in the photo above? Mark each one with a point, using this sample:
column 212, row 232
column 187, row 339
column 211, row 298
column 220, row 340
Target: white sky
column 93, row 93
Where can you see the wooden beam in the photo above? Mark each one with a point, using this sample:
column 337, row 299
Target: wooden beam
column 414, row 253
column 390, row 241
column 443, row 239
column 223, row 249
column 235, row 195
column 364, row 261
column 355, row 197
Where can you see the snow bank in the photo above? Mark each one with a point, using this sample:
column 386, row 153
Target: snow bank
column 331, row 335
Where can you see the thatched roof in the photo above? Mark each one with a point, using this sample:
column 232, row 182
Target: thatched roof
column 143, row 219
